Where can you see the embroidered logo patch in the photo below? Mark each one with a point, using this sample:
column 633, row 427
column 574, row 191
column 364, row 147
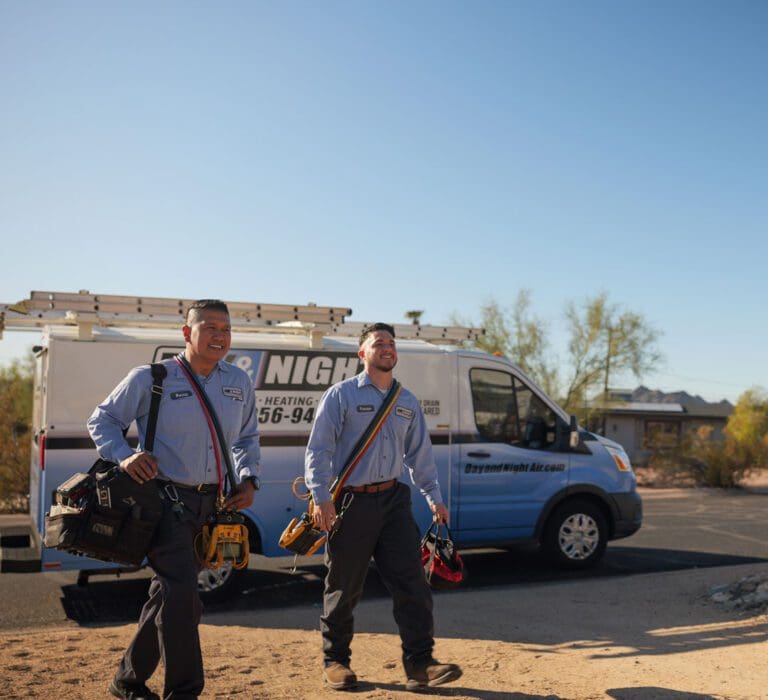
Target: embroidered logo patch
column 404, row 412
column 234, row 392
column 180, row 394
column 365, row 408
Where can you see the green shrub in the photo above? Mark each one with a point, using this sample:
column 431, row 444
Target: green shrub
column 742, row 451
column 15, row 426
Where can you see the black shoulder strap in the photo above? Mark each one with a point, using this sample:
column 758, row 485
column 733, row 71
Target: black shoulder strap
column 158, row 375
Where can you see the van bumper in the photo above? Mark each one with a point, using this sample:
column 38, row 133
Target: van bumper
column 628, row 514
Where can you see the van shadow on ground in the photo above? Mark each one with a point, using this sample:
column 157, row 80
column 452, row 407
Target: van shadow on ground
column 111, row 600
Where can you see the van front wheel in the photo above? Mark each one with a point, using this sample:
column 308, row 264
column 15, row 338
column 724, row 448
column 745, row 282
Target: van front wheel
column 216, row 585
column 576, row 535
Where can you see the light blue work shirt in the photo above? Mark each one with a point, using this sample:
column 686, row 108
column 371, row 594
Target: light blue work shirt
column 343, row 414
column 183, row 443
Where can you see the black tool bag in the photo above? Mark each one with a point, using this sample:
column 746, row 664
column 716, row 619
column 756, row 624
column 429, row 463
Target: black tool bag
column 104, row 513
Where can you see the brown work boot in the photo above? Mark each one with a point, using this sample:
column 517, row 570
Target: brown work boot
column 339, row 677
column 430, row 674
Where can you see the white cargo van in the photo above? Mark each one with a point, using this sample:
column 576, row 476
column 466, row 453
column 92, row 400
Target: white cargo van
column 514, row 468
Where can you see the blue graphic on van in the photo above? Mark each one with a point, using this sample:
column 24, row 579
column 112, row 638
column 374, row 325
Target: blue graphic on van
column 250, row 361
column 295, row 370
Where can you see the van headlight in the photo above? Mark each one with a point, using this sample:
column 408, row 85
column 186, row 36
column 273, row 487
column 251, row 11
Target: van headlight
column 620, row 457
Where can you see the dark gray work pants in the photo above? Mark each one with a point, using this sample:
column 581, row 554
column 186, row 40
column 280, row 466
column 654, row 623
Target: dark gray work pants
column 378, row 525
column 170, row 617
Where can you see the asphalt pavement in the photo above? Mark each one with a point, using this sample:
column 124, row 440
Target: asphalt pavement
column 682, row 529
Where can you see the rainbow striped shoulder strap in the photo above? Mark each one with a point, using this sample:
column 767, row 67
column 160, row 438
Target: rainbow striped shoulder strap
column 367, row 438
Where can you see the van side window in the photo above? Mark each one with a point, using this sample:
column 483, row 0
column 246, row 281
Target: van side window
column 537, row 421
column 493, row 398
column 506, row 410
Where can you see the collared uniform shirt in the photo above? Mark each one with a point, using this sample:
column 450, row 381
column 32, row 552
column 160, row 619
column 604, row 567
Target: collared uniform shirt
column 343, row 414
column 184, row 445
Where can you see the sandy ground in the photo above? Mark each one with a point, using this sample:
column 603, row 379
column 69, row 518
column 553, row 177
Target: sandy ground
column 647, row 636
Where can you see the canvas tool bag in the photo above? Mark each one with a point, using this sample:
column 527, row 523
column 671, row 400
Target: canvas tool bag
column 104, row 513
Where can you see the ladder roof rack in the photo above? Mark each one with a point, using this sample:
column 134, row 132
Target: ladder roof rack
column 411, row 331
column 86, row 310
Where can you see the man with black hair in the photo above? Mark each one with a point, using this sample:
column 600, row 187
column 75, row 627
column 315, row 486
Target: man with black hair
column 373, row 516
column 184, row 467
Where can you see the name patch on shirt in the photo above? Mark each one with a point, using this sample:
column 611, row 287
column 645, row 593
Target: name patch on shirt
column 365, row 408
column 234, row 392
column 180, row 394
column 403, row 412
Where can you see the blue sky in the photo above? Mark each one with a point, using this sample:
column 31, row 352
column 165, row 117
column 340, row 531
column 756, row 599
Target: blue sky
column 396, row 155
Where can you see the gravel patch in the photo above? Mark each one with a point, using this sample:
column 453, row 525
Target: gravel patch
column 749, row 593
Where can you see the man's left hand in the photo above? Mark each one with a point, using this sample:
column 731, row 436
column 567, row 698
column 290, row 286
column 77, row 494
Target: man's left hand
column 242, row 497
column 439, row 513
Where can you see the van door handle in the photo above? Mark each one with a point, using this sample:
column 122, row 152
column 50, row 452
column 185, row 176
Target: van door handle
column 478, row 454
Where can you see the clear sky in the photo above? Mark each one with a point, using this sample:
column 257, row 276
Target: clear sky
column 397, row 155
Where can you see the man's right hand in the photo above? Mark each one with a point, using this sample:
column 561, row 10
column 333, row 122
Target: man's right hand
column 141, row 466
column 324, row 515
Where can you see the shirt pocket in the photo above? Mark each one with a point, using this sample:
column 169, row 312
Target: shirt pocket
column 402, row 420
column 230, row 407
column 179, row 408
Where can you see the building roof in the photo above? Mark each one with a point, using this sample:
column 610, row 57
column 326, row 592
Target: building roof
column 644, row 407
column 658, row 403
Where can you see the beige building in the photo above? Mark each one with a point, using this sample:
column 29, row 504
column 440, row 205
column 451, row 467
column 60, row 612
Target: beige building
column 665, row 423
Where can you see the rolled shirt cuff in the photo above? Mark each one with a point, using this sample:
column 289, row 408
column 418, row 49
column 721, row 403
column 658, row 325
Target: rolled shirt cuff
column 122, row 452
column 320, row 495
column 245, row 472
column 433, row 496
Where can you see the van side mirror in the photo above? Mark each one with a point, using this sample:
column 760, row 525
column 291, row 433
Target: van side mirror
column 573, row 441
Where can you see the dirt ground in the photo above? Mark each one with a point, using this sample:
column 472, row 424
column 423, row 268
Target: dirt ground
column 647, row 636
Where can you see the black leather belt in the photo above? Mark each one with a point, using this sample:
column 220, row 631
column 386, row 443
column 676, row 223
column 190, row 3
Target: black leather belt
column 199, row 488
column 373, row 488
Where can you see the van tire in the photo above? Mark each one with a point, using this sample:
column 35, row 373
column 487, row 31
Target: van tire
column 575, row 535
column 217, row 585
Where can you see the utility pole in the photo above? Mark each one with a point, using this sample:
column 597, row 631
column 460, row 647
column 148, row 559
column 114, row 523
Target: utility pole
column 607, row 375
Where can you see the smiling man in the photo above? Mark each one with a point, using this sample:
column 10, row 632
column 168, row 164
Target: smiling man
column 184, row 467
column 376, row 520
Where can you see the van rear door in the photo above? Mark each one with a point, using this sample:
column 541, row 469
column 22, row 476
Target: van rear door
column 510, row 463
column 36, row 464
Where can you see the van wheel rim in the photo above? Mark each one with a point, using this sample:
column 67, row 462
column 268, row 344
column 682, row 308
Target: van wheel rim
column 211, row 579
column 579, row 536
